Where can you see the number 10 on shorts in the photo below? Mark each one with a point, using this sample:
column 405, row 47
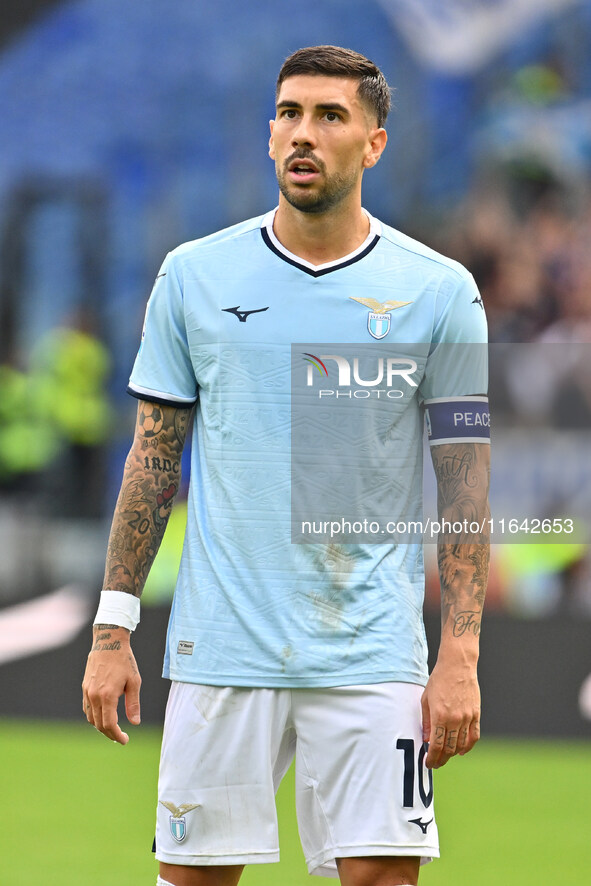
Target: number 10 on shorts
column 407, row 745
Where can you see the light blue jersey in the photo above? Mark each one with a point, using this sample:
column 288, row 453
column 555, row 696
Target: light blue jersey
column 225, row 318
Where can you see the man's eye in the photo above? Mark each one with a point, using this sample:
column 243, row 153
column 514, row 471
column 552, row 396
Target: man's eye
column 331, row 116
column 290, row 113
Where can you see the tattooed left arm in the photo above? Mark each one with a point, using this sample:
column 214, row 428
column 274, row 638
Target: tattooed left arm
column 451, row 701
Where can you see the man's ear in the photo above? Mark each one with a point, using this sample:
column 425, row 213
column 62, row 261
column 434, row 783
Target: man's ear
column 271, row 146
column 378, row 139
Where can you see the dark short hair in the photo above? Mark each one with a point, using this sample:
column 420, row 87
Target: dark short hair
column 334, row 61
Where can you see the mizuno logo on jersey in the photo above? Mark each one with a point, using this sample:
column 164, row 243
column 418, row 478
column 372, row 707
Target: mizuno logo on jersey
column 379, row 317
column 422, row 824
column 478, row 301
column 243, row 315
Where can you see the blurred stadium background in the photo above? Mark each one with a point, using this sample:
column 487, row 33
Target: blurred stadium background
column 128, row 128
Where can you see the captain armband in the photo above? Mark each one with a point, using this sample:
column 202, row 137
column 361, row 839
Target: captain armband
column 457, row 420
column 118, row 608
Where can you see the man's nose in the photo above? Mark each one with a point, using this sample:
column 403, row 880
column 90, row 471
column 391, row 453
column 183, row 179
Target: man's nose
column 304, row 133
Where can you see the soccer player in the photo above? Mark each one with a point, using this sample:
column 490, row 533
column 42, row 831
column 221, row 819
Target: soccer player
column 315, row 650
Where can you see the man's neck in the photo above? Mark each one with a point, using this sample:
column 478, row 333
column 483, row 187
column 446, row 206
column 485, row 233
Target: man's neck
column 323, row 237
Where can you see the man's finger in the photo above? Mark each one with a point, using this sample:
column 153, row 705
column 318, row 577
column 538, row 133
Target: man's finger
column 110, row 727
column 105, row 720
column 426, row 717
column 450, row 745
column 473, row 735
column 464, row 740
column 87, row 709
column 469, row 735
column 436, row 746
column 93, row 710
column 132, row 702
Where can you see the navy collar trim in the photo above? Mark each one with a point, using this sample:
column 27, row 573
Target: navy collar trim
column 291, row 259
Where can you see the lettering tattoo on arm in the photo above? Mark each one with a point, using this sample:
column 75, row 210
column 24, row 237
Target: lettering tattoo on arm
column 150, row 485
column 462, row 471
column 466, row 622
column 103, row 641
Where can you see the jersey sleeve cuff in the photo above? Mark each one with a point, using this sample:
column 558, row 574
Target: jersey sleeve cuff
column 166, row 399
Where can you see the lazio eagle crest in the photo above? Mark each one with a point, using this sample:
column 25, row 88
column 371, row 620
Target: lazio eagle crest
column 379, row 317
column 178, row 821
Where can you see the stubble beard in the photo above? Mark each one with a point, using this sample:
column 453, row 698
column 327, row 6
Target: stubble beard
column 314, row 199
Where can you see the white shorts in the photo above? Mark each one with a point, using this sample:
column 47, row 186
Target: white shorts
column 361, row 785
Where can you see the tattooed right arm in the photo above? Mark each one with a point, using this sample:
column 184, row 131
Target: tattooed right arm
column 150, row 483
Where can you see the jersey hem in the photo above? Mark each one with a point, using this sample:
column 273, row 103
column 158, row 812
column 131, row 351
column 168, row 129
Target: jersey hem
column 330, row 681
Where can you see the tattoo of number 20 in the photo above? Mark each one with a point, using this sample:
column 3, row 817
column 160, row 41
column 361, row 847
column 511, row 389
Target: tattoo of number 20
column 408, row 788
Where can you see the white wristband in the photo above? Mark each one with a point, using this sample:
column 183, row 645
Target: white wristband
column 118, row 608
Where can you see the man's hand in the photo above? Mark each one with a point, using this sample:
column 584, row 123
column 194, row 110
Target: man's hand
column 111, row 672
column 451, row 712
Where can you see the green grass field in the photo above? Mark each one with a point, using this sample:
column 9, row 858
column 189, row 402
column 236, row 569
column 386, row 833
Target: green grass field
column 77, row 810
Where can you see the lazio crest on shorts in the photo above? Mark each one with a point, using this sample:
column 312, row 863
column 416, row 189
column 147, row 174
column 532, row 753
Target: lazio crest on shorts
column 178, row 821
column 178, row 828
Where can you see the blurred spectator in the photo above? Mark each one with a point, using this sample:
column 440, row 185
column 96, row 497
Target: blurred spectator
column 54, row 420
column 28, row 442
column 533, row 270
